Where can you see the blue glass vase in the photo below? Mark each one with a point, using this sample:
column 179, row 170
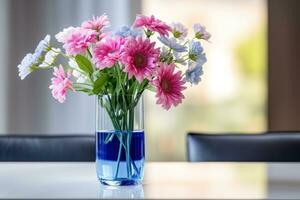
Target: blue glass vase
column 120, row 142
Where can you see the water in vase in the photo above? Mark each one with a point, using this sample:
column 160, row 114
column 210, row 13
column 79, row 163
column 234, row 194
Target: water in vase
column 120, row 157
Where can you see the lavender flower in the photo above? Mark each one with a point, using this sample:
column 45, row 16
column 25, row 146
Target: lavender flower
column 200, row 32
column 179, row 31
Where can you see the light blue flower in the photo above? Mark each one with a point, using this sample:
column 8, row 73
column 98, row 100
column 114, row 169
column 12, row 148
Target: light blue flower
column 25, row 66
column 126, row 31
column 193, row 73
column 195, row 48
column 196, row 53
column 42, row 46
column 172, row 43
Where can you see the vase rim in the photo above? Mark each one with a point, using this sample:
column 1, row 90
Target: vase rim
column 113, row 131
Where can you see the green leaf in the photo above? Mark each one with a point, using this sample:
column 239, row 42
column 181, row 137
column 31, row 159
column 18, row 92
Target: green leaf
column 85, row 90
column 100, row 83
column 81, row 89
column 84, row 64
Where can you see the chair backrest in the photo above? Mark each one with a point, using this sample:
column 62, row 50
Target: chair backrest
column 47, row 148
column 267, row 147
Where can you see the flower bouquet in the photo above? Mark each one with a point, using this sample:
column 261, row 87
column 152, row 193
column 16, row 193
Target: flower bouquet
column 117, row 67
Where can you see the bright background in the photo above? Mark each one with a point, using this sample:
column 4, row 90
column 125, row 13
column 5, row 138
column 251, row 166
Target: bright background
column 230, row 98
column 232, row 94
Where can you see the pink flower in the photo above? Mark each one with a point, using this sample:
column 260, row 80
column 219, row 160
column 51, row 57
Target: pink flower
column 152, row 24
column 108, row 52
column 96, row 23
column 79, row 40
column 169, row 86
column 139, row 58
column 60, row 84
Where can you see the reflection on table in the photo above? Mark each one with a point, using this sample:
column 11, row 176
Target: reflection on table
column 126, row 192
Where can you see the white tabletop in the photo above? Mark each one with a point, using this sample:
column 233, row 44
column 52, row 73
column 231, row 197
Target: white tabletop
column 162, row 180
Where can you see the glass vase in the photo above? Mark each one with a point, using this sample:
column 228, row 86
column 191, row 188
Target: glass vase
column 120, row 148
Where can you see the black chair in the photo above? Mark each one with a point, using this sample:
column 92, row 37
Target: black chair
column 267, row 147
column 47, row 148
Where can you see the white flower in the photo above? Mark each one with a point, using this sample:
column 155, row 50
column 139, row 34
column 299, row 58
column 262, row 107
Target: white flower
column 179, row 31
column 76, row 72
column 42, row 46
column 164, row 52
column 64, row 35
column 50, row 57
column 179, row 59
column 25, row 66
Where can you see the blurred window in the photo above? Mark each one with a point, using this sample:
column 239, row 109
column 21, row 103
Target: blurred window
column 232, row 94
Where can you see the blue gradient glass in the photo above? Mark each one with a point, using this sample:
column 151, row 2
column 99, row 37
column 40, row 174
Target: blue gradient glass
column 115, row 165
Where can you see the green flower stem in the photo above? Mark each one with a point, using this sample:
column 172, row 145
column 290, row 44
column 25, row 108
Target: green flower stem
column 148, row 33
column 128, row 142
column 130, row 159
column 113, row 114
column 52, row 49
column 131, row 118
column 129, row 135
column 119, row 157
column 75, row 69
column 117, row 127
column 41, row 68
column 89, row 52
column 109, row 138
column 121, row 113
column 60, row 53
column 83, row 84
column 125, row 127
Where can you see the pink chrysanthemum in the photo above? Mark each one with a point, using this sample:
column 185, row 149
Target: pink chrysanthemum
column 96, row 23
column 108, row 52
column 139, row 58
column 152, row 24
column 60, row 84
column 79, row 40
column 169, row 86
